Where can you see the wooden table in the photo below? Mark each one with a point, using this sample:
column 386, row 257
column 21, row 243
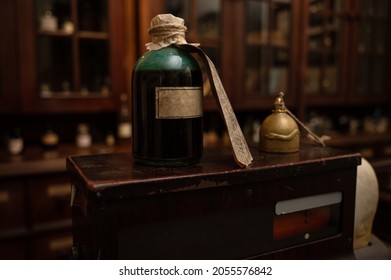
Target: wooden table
column 284, row 206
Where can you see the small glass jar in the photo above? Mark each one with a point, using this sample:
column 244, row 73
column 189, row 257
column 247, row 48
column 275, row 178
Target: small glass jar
column 50, row 140
column 83, row 137
column 15, row 142
column 49, row 22
column 124, row 126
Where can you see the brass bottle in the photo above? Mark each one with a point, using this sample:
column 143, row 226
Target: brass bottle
column 279, row 132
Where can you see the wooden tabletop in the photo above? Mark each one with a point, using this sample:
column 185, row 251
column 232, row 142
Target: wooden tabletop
column 98, row 173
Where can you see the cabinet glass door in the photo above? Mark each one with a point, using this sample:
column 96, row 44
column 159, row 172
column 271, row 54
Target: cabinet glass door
column 372, row 42
column 267, row 53
column 202, row 18
column 72, row 48
column 323, row 61
column 9, row 82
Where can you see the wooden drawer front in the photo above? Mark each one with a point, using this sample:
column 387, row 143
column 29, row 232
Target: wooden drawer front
column 13, row 249
column 235, row 222
column 56, row 246
column 12, row 205
column 50, row 199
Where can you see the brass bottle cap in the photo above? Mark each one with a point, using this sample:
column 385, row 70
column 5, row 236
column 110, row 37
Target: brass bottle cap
column 279, row 132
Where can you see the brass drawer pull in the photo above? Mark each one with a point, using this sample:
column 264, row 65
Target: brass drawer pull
column 60, row 243
column 4, row 196
column 59, row 190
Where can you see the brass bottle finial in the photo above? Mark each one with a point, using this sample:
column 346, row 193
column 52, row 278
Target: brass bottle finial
column 279, row 132
column 279, row 103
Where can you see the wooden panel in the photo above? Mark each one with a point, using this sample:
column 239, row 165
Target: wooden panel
column 12, row 205
column 31, row 100
column 49, row 198
column 15, row 249
column 56, row 246
column 8, row 57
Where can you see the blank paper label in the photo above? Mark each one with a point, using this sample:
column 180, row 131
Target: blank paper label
column 178, row 102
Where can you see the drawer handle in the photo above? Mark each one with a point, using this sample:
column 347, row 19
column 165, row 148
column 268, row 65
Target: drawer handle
column 61, row 243
column 4, row 196
column 58, row 190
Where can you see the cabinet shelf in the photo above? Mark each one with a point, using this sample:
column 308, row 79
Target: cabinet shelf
column 61, row 64
column 319, row 31
column 58, row 33
column 75, row 95
column 344, row 140
column 52, row 226
column 205, row 42
column 81, row 34
column 13, row 233
column 259, row 39
column 93, row 35
column 254, row 45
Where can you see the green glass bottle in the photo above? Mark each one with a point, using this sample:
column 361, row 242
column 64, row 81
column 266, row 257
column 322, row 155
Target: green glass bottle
column 167, row 108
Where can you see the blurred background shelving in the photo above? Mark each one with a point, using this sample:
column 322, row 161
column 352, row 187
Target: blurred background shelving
column 69, row 62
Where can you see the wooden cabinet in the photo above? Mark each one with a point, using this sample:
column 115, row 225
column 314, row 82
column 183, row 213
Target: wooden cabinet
column 49, row 198
column 326, row 53
column 9, row 57
column 371, row 61
column 35, row 201
column 12, row 202
column 71, row 55
column 253, row 44
column 345, row 69
column 13, row 220
column 35, row 217
column 345, row 61
column 13, row 249
column 266, row 50
column 52, row 246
